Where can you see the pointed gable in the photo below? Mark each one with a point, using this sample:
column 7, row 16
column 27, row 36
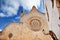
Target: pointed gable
column 34, row 10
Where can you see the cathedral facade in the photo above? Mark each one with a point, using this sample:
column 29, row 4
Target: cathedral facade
column 36, row 25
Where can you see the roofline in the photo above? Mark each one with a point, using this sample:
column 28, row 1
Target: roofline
column 36, row 10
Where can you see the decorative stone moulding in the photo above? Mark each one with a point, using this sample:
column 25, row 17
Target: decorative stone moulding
column 33, row 26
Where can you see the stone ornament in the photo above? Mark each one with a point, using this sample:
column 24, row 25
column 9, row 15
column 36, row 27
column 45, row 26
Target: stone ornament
column 33, row 26
column 36, row 20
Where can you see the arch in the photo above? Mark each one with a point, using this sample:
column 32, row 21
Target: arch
column 58, row 6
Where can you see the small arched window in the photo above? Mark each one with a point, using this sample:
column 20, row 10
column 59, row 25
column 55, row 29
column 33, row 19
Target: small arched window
column 52, row 3
column 58, row 3
column 58, row 6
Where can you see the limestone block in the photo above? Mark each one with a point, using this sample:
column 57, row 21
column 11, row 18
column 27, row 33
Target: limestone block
column 28, row 34
column 12, row 31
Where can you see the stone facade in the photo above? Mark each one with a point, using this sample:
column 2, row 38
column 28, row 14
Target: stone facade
column 53, row 14
column 35, row 25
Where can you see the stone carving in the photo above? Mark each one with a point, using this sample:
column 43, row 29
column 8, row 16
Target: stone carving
column 33, row 26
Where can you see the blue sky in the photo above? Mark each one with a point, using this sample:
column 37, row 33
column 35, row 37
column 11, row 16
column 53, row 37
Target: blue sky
column 10, row 10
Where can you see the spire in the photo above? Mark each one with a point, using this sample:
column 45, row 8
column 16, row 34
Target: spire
column 22, row 14
column 34, row 9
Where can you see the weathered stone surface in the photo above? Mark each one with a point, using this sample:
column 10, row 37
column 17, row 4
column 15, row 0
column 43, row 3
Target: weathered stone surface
column 33, row 26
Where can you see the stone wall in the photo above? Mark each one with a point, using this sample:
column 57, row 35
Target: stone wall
column 53, row 16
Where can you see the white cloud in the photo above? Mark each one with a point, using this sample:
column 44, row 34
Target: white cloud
column 28, row 4
column 11, row 11
column 0, row 30
column 17, row 17
column 2, row 15
column 10, row 8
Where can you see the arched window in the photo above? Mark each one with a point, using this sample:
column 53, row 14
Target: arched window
column 58, row 3
column 52, row 3
column 58, row 6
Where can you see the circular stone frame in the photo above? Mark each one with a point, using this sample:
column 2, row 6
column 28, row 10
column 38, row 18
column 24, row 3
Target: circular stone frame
column 35, row 23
